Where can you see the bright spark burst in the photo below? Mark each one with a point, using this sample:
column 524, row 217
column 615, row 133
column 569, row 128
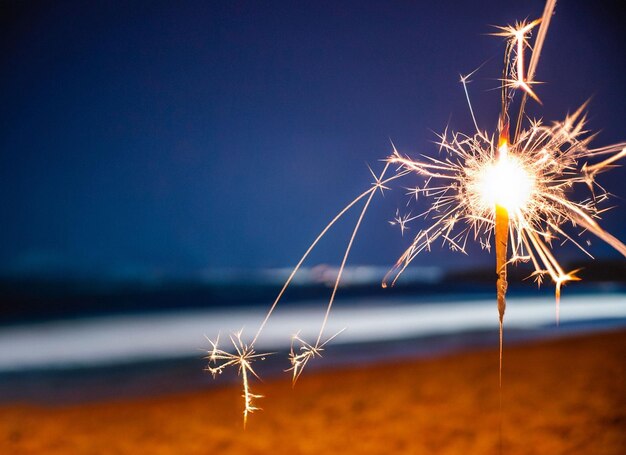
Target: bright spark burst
column 532, row 181
column 513, row 189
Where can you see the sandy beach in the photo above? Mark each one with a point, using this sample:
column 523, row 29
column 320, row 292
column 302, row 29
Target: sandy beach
column 561, row 396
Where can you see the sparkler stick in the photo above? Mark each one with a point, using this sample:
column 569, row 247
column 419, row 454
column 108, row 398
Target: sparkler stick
column 501, row 214
column 502, row 240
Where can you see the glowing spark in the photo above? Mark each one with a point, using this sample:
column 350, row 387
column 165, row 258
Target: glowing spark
column 243, row 358
column 413, row 192
column 518, row 38
column 506, row 183
column 299, row 357
column 401, row 221
column 378, row 184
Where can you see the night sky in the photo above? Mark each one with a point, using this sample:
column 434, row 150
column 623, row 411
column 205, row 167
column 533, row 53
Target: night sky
column 179, row 136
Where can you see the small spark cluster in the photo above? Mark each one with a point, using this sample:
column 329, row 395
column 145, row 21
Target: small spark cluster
column 517, row 37
column 300, row 356
column 243, row 358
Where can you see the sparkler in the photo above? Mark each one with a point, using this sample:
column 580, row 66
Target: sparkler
column 512, row 188
column 516, row 189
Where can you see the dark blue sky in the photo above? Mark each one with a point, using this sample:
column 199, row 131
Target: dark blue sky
column 176, row 136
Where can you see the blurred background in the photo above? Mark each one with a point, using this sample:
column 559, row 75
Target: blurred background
column 164, row 164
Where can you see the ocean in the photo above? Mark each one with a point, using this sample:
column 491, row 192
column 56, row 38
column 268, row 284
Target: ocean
column 136, row 354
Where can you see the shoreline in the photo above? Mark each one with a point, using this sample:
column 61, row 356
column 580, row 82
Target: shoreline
column 111, row 340
column 559, row 396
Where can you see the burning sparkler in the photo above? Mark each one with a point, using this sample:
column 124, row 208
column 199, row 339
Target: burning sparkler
column 514, row 188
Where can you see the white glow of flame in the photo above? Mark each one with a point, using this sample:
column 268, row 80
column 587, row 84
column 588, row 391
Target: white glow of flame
column 507, row 183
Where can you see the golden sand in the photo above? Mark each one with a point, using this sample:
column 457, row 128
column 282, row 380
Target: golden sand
column 559, row 397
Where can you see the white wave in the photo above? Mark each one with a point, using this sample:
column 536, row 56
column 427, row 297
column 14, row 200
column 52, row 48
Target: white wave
column 120, row 339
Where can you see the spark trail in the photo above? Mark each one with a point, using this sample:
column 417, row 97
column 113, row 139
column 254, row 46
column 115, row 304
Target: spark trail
column 244, row 354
